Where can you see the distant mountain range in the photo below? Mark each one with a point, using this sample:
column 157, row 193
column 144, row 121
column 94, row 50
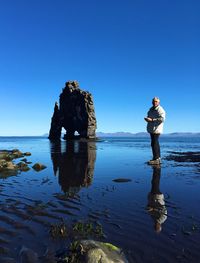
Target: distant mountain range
column 141, row 134
column 145, row 134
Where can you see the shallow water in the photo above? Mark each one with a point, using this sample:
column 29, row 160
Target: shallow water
column 77, row 185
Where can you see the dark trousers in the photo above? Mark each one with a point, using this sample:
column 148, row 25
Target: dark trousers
column 155, row 183
column 155, row 145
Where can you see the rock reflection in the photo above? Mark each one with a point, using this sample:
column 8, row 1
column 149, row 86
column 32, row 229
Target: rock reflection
column 156, row 203
column 73, row 162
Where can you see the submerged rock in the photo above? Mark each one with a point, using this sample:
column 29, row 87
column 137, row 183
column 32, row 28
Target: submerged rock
column 121, row 180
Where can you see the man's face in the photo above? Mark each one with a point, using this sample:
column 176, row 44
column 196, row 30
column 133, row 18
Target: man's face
column 155, row 102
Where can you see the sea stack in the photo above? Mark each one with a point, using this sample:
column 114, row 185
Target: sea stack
column 75, row 113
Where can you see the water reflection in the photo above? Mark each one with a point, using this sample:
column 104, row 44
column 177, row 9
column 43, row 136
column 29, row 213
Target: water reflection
column 73, row 162
column 156, row 203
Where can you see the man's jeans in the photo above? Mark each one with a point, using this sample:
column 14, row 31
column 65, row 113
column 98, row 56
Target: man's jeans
column 155, row 145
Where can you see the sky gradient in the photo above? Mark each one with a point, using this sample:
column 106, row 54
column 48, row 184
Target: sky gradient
column 123, row 51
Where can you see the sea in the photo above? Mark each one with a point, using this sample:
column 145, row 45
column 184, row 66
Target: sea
column 150, row 212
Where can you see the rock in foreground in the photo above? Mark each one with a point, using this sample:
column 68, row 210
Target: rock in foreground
column 90, row 251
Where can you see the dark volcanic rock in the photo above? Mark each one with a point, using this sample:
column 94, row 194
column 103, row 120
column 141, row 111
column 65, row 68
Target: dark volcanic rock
column 75, row 114
column 121, row 180
column 184, row 157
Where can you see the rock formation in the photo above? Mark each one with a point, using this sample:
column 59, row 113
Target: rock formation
column 75, row 114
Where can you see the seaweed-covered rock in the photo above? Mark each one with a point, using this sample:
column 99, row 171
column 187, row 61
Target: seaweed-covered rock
column 90, row 251
column 7, row 163
column 75, row 114
column 7, row 168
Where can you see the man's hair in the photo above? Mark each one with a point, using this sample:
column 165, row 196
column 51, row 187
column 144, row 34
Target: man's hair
column 155, row 98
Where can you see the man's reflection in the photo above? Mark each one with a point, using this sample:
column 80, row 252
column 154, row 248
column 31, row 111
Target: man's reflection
column 74, row 163
column 156, row 203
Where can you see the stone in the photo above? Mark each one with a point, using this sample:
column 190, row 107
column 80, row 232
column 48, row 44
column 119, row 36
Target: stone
column 27, row 153
column 121, row 180
column 23, row 167
column 17, row 154
column 8, row 155
column 7, row 165
column 75, row 113
column 3, row 154
column 90, row 251
column 38, row 167
column 11, row 166
column 189, row 157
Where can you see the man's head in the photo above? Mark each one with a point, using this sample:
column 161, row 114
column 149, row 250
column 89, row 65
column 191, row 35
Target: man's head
column 155, row 101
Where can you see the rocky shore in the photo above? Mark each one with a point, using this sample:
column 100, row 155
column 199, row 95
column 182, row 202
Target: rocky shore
column 9, row 165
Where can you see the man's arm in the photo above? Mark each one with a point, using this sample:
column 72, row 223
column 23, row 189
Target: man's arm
column 161, row 117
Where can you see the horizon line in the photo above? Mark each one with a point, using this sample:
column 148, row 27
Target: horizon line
column 134, row 133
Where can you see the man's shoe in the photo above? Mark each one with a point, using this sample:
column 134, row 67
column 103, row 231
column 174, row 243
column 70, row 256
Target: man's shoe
column 156, row 161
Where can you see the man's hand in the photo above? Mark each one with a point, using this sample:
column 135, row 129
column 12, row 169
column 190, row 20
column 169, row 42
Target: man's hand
column 147, row 119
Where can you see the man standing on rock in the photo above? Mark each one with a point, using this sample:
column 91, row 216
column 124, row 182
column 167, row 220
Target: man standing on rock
column 155, row 119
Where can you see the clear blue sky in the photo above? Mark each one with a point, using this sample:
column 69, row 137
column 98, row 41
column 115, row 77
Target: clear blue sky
column 123, row 51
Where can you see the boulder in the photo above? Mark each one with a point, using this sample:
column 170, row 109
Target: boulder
column 23, row 166
column 90, row 251
column 27, row 154
column 38, row 167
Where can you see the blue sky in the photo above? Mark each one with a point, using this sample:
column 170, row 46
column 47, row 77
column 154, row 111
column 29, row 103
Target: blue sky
column 123, row 51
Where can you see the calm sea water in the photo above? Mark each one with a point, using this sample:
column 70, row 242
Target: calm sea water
column 78, row 185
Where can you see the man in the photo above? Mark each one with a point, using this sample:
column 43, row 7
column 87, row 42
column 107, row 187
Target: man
column 155, row 119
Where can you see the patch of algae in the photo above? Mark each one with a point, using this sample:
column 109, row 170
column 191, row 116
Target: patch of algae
column 110, row 246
